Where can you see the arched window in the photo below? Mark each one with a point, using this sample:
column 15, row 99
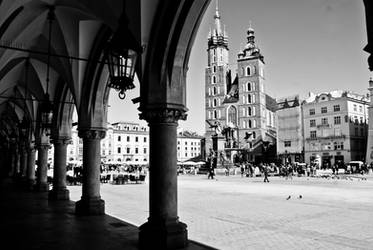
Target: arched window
column 214, row 91
column 214, row 103
column 215, row 114
column 250, row 124
column 249, row 98
column 254, row 135
column 232, row 115
column 249, row 111
column 213, row 79
column 248, row 71
column 248, row 87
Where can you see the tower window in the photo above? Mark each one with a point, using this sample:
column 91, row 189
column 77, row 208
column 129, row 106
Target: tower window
column 214, row 69
column 214, row 103
column 248, row 87
column 213, row 79
column 214, row 91
column 248, row 71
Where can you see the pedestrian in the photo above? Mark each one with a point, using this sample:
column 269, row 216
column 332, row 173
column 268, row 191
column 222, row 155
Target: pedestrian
column 265, row 169
column 242, row 169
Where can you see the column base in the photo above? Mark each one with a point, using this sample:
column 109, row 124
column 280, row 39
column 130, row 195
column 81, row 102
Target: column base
column 31, row 184
column 42, row 187
column 89, row 206
column 172, row 235
column 59, row 194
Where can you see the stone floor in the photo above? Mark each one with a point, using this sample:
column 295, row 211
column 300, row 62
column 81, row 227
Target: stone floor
column 29, row 221
column 245, row 213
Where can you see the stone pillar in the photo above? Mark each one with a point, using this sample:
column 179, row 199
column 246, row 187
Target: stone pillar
column 30, row 175
column 91, row 202
column 23, row 161
column 42, row 178
column 59, row 190
column 163, row 230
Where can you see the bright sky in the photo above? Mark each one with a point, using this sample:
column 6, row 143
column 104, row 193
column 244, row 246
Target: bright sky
column 308, row 46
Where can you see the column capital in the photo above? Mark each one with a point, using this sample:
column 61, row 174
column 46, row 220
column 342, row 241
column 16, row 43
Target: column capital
column 61, row 140
column 163, row 115
column 92, row 134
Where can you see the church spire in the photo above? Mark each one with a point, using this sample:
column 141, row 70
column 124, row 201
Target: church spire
column 217, row 20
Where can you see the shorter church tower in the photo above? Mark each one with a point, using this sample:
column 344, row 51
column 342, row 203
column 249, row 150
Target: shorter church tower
column 369, row 153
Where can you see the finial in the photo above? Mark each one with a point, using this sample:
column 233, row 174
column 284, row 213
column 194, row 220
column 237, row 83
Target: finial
column 217, row 5
column 250, row 24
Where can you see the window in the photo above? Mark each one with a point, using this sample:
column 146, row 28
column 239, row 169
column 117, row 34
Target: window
column 128, row 150
column 360, row 108
column 313, row 123
column 248, row 86
column 361, row 120
column 338, row 145
column 128, row 138
column 144, row 150
column 324, row 121
column 136, row 139
column 313, row 134
column 324, row 110
column 119, row 150
column 250, row 124
column 119, row 138
column 214, row 103
column 312, row 111
column 248, row 71
column 336, row 108
column 215, row 114
column 214, row 91
column 355, row 107
column 249, row 98
column 213, row 79
column 356, row 131
column 214, row 69
column 337, row 120
column 136, row 150
column 144, row 139
column 249, row 111
column 287, row 144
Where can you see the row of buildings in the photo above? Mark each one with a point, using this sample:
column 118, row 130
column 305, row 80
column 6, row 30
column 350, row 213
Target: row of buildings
column 128, row 142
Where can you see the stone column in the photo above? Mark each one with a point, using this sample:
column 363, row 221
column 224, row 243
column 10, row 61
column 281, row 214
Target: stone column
column 30, row 175
column 23, row 161
column 91, row 202
column 42, row 178
column 163, row 230
column 59, row 190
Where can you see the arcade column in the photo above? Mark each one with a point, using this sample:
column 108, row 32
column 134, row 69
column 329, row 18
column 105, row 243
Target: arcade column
column 163, row 230
column 91, row 202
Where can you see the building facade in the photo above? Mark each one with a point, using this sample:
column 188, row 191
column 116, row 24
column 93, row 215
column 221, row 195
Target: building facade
column 335, row 127
column 128, row 142
column 290, row 142
column 238, row 109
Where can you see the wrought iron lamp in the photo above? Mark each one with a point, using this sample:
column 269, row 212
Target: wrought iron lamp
column 122, row 54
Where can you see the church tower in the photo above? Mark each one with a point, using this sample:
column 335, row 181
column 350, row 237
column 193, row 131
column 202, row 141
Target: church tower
column 252, row 97
column 215, row 77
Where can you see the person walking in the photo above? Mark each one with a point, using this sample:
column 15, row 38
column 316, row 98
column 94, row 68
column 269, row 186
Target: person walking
column 265, row 169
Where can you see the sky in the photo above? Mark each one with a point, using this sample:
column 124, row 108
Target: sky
column 308, row 46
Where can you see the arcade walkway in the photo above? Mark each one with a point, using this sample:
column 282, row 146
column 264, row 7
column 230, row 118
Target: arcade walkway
column 30, row 221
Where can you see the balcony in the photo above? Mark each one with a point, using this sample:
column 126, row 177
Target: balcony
column 329, row 137
column 325, row 125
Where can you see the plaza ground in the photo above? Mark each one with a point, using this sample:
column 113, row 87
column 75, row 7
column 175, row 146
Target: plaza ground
column 245, row 213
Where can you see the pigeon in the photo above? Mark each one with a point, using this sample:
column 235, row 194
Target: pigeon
column 300, row 196
column 288, row 197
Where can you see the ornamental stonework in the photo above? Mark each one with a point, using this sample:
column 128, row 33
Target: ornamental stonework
column 166, row 115
column 92, row 134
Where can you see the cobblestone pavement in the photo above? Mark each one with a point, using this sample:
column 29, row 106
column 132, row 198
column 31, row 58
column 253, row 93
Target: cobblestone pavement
column 246, row 213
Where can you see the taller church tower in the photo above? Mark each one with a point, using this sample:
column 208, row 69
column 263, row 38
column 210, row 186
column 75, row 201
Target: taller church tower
column 215, row 77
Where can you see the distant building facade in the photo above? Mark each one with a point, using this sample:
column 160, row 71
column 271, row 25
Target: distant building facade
column 129, row 142
column 239, row 109
column 290, row 141
column 335, row 127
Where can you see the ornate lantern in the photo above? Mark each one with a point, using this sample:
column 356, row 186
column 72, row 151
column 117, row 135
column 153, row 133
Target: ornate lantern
column 122, row 55
column 46, row 112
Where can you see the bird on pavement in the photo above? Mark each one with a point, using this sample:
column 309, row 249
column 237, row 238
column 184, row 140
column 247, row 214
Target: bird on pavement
column 300, row 196
column 288, row 197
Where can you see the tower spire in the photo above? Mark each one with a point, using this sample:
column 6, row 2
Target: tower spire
column 217, row 19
